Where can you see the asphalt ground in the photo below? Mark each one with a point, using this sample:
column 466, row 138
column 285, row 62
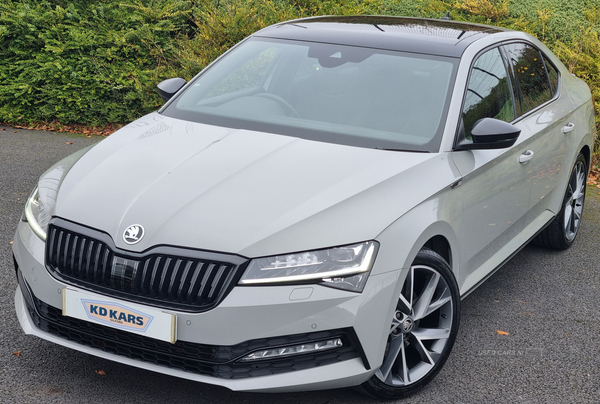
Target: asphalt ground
column 548, row 303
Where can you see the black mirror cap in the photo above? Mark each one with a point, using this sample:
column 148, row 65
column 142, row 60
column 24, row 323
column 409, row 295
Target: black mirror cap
column 490, row 133
column 167, row 88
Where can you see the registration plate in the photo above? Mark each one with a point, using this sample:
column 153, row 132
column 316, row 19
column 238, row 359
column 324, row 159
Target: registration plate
column 131, row 317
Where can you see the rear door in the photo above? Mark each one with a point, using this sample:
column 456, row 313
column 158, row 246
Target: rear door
column 540, row 109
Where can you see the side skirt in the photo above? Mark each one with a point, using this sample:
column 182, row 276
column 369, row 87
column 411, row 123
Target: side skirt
column 497, row 261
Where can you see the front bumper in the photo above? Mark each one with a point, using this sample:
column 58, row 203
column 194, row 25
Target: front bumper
column 249, row 318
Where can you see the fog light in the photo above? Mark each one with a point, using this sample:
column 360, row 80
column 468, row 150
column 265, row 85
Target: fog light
column 294, row 350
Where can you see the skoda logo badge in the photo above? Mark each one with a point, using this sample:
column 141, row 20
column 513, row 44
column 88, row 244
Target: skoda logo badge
column 133, row 234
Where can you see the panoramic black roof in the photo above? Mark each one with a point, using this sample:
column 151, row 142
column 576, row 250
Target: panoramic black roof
column 436, row 37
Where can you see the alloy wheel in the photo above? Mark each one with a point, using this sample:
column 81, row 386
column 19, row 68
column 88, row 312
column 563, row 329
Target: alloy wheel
column 574, row 201
column 420, row 328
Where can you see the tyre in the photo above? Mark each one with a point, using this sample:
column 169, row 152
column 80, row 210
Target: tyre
column 422, row 329
column 561, row 232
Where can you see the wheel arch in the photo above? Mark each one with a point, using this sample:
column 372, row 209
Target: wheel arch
column 440, row 245
column 587, row 154
column 399, row 248
column 439, row 237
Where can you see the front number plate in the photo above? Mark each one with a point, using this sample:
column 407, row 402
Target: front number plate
column 131, row 317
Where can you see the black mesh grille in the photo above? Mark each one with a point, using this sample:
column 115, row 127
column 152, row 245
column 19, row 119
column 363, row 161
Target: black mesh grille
column 211, row 360
column 163, row 277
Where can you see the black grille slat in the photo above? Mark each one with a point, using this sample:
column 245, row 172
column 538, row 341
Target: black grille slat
column 105, row 273
column 166, row 273
column 89, row 267
column 214, row 287
column 96, row 262
column 190, row 283
column 180, row 296
column 175, row 277
column 203, row 291
column 194, row 284
column 59, row 236
column 51, row 242
column 73, row 254
column 145, row 280
column 153, row 287
column 65, row 252
column 81, row 255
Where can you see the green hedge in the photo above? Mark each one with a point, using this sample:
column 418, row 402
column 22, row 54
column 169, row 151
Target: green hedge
column 97, row 62
column 90, row 62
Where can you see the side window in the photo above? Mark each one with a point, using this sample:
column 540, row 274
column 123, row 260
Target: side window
column 530, row 73
column 552, row 75
column 488, row 93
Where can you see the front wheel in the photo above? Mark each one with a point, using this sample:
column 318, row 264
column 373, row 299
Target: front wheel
column 422, row 330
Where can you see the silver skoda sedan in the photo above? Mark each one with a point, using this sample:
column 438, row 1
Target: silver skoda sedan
column 308, row 212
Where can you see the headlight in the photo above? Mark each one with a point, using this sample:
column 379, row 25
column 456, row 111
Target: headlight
column 42, row 202
column 345, row 267
column 38, row 212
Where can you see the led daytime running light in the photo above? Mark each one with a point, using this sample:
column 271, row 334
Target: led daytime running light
column 294, row 350
column 37, row 229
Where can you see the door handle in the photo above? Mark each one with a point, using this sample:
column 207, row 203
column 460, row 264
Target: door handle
column 525, row 157
column 568, row 128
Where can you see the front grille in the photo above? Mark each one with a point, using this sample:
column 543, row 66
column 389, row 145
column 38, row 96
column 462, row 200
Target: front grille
column 167, row 277
column 210, row 360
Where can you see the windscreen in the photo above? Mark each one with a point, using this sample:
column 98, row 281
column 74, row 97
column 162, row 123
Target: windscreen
column 333, row 93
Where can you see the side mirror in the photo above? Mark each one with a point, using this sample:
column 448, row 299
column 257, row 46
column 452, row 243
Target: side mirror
column 167, row 88
column 490, row 133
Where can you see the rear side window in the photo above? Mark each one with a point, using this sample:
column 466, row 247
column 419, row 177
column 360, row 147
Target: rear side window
column 552, row 75
column 531, row 76
column 488, row 94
